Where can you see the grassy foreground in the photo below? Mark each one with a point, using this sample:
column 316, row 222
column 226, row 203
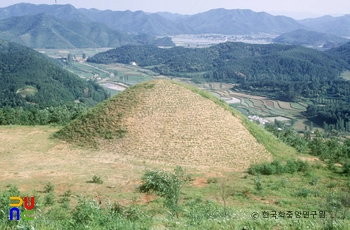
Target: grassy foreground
column 79, row 188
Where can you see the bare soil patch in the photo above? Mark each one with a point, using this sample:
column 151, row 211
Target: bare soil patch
column 200, row 182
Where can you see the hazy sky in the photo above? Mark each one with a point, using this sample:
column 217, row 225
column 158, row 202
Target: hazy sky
column 295, row 8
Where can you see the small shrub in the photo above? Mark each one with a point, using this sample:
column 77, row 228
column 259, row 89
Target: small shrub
column 291, row 167
column 65, row 205
column 49, row 188
column 283, row 183
column 97, row 179
column 212, row 180
column 318, row 165
column 64, row 199
column 303, row 192
column 314, row 181
column 283, row 202
column 331, row 165
column 67, row 193
column 279, row 169
column 346, row 168
column 117, row 208
column 189, row 178
column 258, row 184
column 332, row 185
column 49, row 199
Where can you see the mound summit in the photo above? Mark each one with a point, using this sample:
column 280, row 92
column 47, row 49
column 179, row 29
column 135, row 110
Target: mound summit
column 169, row 122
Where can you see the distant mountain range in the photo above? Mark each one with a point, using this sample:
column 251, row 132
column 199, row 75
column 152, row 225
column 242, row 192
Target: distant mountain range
column 327, row 24
column 220, row 21
column 224, row 21
column 46, row 31
column 311, row 38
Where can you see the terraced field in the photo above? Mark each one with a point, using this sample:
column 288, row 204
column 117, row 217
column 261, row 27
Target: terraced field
column 267, row 108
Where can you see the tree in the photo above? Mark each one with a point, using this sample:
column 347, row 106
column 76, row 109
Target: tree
column 70, row 59
column 224, row 192
column 164, row 184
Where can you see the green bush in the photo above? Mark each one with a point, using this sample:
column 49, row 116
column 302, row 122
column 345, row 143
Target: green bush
column 198, row 211
column 314, row 181
column 303, row 192
column 97, row 179
column 49, row 187
column 346, row 168
column 164, row 184
column 49, row 199
column 258, row 184
column 276, row 167
column 212, row 180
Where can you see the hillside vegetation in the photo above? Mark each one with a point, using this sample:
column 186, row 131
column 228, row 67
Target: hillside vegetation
column 231, row 62
column 46, row 31
column 161, row 120
column 28, row 77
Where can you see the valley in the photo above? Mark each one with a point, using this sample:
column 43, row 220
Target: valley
column 224, row 119
column 115, row 77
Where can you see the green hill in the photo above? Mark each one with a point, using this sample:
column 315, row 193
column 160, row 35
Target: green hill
column 28, row 77
column 342, row 52
column 311, row 38
column 231, row 62
column 46, row 31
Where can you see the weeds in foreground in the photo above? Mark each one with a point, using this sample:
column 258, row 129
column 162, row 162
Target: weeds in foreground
column 97, row 180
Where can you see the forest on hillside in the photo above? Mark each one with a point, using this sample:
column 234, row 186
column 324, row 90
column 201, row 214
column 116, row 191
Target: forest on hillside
column 30, row 78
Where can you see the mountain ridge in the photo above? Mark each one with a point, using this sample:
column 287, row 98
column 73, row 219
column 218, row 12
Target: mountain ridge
column 328, row 24
column 163, row 23
column 46, row 31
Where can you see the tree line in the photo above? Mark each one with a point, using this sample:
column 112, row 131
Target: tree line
column 58, row 115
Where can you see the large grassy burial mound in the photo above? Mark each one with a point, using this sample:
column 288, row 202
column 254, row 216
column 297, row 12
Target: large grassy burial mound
column 169, row 122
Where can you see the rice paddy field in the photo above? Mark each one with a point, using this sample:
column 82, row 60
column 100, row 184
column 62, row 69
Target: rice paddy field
column 247, row 104
column 287, row 112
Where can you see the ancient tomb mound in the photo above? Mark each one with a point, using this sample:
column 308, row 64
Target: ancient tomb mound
column 168, row 122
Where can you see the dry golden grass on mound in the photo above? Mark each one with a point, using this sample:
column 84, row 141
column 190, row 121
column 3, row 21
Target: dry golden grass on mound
column 176, row 126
